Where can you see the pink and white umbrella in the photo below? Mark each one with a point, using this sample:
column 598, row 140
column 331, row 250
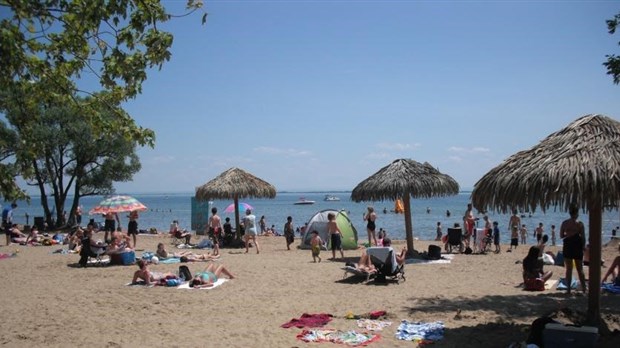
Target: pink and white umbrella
column 242, row 207
column 117, row 204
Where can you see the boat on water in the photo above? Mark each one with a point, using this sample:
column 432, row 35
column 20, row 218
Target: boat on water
column 331, row 198
column 303, row 201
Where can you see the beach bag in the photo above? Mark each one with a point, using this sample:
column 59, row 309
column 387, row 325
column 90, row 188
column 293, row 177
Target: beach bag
column 184, row 273
column 434, row 252
column 147, row 255
column 559, row 259
column 534, row 284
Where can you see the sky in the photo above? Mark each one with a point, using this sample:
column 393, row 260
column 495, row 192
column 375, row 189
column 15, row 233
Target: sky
column 319, row 95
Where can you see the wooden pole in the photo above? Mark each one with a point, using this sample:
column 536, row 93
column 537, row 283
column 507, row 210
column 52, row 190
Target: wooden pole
column 594, row 289
column 408, row 226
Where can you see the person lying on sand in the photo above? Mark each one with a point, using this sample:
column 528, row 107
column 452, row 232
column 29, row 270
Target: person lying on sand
column 163, row 254
column 145, row 275
column 198, row 257
column 209, row 276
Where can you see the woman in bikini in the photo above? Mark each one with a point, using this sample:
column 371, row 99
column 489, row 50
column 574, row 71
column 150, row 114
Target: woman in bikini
column 209, row 276
column 572, row 232
column 145, row 275
column 370, row 217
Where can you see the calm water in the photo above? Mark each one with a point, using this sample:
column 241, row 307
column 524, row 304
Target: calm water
column 165, row 208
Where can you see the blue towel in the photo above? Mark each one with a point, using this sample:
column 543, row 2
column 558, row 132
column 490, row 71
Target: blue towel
column 610, row 287
column 170, row 260
column 409, row 331
column 562, row 284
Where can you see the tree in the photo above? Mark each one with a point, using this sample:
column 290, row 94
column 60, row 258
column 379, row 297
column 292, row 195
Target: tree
column 72, row 158
column 56, row 51
column 613, row 61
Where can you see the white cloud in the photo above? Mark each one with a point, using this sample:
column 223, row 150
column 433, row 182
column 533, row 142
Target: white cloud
column 162, row 159
column 281, row 152
column 455, row 159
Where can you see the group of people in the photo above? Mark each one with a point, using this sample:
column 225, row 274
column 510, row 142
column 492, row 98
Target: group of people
column 205, row 278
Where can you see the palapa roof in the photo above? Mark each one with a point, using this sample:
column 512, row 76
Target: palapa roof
column 573, row 165
column 405, row 176
column 233, row 183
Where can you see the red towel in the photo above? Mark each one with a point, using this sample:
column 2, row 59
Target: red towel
column 309, row 320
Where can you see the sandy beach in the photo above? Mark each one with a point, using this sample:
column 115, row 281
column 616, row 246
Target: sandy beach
column 49, row 302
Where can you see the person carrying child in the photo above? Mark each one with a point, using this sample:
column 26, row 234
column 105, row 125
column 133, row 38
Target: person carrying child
column 315, row 243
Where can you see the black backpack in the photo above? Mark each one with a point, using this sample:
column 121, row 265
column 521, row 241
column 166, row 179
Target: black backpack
column 185, row 273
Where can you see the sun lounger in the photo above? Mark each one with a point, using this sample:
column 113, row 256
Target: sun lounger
column 350, row 268
column 384, row 260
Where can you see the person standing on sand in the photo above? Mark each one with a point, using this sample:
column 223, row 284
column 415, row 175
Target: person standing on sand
column 132, row 226
column 7, row 221
column 215, row 229
column 110, row 225
column 335, row 235
column 263, row 225
column 289, row 232
column 316, row 242
column 249, row 226
column 538, row 232
column 572, row 232
column 469, row 221
column 371, row 226
column 553, row 235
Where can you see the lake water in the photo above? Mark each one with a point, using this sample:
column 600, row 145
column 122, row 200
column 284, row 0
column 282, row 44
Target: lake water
column 164, row 208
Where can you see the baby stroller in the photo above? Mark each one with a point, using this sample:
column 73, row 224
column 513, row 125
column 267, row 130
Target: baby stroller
column 455, row 239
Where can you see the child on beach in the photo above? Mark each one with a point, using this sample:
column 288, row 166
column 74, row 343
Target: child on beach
column 514, row 238
column 553, row 235
column 523, row 234
column 289, row 232
column 498, row 248
column 335, row 235
column 439, row 232
column 316, row 243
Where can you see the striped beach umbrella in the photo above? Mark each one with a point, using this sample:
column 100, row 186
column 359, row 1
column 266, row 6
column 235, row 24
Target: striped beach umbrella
column 117, row 204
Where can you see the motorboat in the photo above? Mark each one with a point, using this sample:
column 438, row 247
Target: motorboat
column 303, row 201
column 331, row 198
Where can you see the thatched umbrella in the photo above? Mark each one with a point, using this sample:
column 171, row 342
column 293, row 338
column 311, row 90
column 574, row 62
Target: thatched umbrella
column 579, row 164
column 233, row 184
column 401, row 179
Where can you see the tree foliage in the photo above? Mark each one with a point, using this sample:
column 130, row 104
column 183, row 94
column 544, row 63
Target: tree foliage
column 73, row 158
column 57, row 52
column 613, row 61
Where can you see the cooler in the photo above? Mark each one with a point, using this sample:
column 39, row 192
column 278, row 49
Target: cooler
column 126, row 258
column 565, row 336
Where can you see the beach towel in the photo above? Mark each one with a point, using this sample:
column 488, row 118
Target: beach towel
column 7, row 256
column 373, row 325
column 219, row 282
column 611, row 288
column 170, row 260
column 447, row 258
column 562, row 285
column 350, row 338
column 140, row 284
column 309, row 320
column 420, row 331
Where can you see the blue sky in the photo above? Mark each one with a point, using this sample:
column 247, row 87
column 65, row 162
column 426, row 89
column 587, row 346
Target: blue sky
column 319, row 95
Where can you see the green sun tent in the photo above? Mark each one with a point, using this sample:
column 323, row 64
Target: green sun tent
column 318, row 222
